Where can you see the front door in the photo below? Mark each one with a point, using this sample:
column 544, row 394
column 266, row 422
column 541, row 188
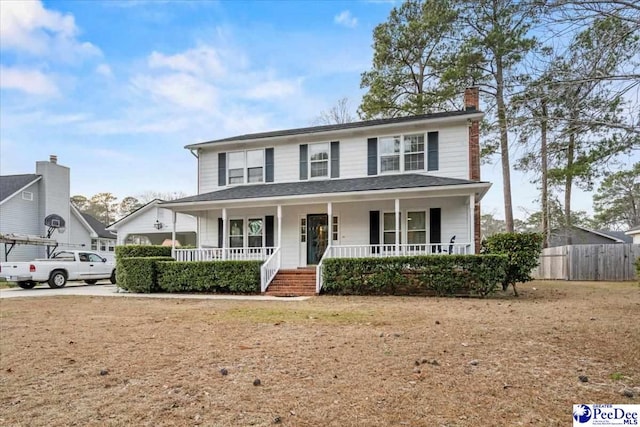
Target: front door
column 317, row 237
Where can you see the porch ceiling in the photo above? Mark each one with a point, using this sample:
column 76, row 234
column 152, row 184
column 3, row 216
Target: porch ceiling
column 333, row 190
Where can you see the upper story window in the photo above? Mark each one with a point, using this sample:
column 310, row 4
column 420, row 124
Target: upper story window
column 409, row 147
column 246, row 166
column 319, row 160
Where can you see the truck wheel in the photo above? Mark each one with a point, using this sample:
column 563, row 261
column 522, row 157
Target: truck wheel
column 113, row 277
column 91, row 282
column 57, row 279
column 27, row 285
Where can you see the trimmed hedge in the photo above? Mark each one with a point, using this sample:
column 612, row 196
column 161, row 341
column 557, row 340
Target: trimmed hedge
column 209, row 276
column 139, row 274
column 442, row 275
column 523, row 251
column 137, row 251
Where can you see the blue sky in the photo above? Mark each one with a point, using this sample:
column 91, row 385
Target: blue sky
column 117, row 88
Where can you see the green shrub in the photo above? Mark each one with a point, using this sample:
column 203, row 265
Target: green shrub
column 523, row 251
column 137, row 251
column 210, row 276
column 139, row 274
column 434, row 274
column 638, row 269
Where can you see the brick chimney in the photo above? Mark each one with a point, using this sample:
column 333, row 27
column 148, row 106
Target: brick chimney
column 472, row 103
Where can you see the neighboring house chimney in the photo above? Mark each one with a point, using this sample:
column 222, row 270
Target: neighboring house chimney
column 54, row 195
column 472, row 103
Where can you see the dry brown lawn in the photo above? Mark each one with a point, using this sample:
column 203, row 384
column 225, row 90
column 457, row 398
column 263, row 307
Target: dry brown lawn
column 328, row 361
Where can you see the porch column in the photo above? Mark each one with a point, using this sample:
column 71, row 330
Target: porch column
column 397, row 227
column 279, row 213
column 472, row 233
column 329, row 223
column 173, row 234
column 224, row 233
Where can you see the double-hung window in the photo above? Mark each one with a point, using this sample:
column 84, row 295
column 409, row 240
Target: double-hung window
column 402, row 153
column 319, row 160
column 389, row 229
column 246, row 166
column 390, row 154
column 255, row 232
column 236, row 233
column 416, row 228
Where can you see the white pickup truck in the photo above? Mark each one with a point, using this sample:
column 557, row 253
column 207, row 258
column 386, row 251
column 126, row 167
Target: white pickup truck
column 62, row 266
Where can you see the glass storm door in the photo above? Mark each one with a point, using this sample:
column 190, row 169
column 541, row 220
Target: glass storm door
column 317, row 237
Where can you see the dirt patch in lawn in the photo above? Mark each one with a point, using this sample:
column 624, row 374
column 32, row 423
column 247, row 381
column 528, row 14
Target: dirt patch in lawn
column 330, row 361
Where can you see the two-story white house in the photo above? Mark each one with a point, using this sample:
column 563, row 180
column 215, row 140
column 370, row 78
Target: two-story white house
column 399, row 186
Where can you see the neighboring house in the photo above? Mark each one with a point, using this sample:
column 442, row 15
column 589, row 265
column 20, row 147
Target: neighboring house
column 151, row 224
column 25, row 201
column 578, row 235
column 399, row 186
column 635, row 234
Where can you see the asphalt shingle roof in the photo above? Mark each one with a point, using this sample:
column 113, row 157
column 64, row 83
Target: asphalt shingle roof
column 9, row 184
column 285, row 189
column 98, row 227
column 617, row 235
column 336, row 127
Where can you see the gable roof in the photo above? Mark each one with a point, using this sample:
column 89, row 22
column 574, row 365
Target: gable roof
column 288, row 189
column 11, row 184
column 336, row 127
column 133, row 214
column 634, row 230
column 619, row 236
column 98, row 226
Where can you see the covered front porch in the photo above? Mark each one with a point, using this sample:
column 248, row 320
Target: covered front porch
column 302, row 231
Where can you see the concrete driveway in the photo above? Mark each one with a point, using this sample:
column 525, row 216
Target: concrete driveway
column 109, row 290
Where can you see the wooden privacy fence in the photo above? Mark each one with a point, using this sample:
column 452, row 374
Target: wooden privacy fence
column 588, row 262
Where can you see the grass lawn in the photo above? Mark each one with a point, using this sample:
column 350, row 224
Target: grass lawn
column 328, row 361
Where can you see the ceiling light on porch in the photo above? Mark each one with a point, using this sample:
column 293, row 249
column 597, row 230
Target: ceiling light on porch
column 157, row 225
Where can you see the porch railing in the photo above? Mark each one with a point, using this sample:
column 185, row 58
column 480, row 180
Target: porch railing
column 223, row 254
column 269, row 269
column 374, row 251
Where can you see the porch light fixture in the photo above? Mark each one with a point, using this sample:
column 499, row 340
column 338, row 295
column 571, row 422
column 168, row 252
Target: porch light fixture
column 157, row 225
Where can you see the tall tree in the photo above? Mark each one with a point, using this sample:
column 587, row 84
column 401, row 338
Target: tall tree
column 148, row 196
column 617, row 201
column 338, row 114
column 81, row 202
column 104, row 207
column 128, row 205
column 412, row 50
column 498, row 39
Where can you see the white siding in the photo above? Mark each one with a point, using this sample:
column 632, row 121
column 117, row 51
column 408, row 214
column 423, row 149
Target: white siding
column 143, row 223
column 21, row 216
column 78, row 233
column 453, row 155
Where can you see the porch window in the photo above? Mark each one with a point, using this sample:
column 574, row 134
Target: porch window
column 255, row 232
column 390, row 154
column 236, row 233
column 416, row 228
column 94, row 244
column 414, row 152
column 236, row 167
column 334, row 229
column 255, row 165
column 389, row 229
column 303, row 230
column 319, row 160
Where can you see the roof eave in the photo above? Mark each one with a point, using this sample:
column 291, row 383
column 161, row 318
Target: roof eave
column 20, row 190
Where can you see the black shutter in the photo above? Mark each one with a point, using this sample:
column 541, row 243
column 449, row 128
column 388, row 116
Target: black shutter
column 268, row 231
column 220, row 232
column 435, row 227
column 432, row 151
column 268, row 164
column 372, row 156
column 303, row 162
column 335, row 159
column 374, row 229
column 222, row 169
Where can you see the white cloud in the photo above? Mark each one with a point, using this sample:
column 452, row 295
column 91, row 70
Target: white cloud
column 30, row 81
column 273, row 89
column 104, row 70
column 27, row 27
column 345, row 19
column 181, row 89
column 201, row 61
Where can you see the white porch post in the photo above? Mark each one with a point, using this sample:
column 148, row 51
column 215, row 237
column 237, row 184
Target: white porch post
column 279, row 213
column 173, row 234
column 224, row 233
column 397, row 226
column 472, row 223
column 329, row 223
